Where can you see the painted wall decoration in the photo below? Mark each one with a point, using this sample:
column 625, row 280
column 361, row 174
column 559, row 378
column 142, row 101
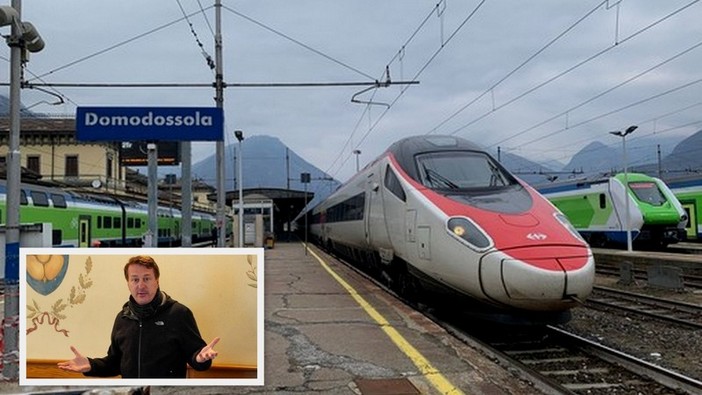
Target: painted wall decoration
column 45, row 273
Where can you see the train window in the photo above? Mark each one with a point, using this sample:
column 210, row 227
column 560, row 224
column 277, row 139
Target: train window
column 130, row 223
column 59, row 200
column 648, row 192
column 462, row 170
column 39, row 199
column 107, row 222
column 392, row 183
column 603, row 200
column 116, row 223
column 99, row 222
column 137, row 223
column 23, row 198
column 56, row 237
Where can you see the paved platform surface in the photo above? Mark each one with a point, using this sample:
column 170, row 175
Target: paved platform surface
column 329, row 331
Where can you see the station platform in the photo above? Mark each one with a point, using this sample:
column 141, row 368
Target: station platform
column 329, row 330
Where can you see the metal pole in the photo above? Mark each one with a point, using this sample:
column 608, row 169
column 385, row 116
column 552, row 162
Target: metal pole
column 219, row 99
column 152, row 156
column 241, row 197
column 626, row 201
column 12, row 240
column 186, row 196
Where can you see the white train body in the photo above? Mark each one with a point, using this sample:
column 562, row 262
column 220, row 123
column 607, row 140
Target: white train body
column 450, row 215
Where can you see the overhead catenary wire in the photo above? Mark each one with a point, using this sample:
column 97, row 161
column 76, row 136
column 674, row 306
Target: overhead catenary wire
column 574, row 67
column 597, row 96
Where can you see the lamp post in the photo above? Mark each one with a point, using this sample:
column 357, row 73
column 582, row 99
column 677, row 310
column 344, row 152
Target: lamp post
column 240, row 136
column 623, row 135
column 23, row 37
column 357, row 152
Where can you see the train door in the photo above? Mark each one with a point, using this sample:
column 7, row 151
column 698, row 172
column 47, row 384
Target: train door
column 395, row 210
column 84, row 231
column 374, row 217
column 691, row 227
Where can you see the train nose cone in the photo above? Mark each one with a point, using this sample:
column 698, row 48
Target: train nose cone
column 543, row 282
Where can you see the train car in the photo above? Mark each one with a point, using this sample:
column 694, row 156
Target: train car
column 438, row 215
column 597, row 209
column 688, row 190
column 92, row 220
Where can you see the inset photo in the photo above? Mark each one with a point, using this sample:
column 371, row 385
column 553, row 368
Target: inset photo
column 146, row 316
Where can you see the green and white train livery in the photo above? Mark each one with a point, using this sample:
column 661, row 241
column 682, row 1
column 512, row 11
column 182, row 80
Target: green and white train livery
column 597, row 209
column 688, row 190
column 90, row 220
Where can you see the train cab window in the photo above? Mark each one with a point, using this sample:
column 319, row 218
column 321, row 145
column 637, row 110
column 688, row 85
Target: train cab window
column 647, row 192
column 39, row 198
column 603, row 200
column 392, row 183
column 462, row 170
column 116, row 223
column 58, row 200
column 23, row 198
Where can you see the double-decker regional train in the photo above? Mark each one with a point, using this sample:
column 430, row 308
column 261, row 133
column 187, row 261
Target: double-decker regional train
column 438, row 215
column 88, row 220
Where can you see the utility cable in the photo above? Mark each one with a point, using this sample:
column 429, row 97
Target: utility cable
column 574, row 67
column 208, row 58
column 303, row 45
column 519, row 67
column 115, row 46
column 601, row 94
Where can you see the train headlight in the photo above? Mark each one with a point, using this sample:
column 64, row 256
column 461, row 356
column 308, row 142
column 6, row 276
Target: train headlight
column 564, row 220
column 468, row 232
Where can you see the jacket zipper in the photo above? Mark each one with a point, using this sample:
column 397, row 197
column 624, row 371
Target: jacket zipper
column 139, row 353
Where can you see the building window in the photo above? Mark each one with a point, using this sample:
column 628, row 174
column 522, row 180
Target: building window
column 108, row 170
column 33, row 163
column 71, row 165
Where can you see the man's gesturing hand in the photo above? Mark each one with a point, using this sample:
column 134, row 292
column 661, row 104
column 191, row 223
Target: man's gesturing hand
column 78, row 364
column 208, row 352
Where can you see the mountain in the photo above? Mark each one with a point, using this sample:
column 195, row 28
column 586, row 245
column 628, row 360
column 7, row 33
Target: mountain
column 264, row 165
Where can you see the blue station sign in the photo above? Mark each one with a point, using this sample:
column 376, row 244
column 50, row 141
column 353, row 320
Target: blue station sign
column 149, row 123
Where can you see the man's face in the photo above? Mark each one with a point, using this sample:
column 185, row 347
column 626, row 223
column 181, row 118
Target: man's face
column 142, row 283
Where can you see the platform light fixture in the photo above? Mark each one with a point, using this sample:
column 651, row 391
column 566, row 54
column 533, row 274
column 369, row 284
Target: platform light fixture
column 357, row 152
column 627, row 216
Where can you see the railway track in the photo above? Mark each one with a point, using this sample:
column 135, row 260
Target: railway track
column 689, row 280
column 560, row 362
column 680, row 313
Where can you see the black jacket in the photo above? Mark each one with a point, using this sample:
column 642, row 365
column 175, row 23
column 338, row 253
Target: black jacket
column 156, row 347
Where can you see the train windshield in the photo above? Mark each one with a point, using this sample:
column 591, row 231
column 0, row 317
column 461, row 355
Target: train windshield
column 648, row 192
column 461, row 170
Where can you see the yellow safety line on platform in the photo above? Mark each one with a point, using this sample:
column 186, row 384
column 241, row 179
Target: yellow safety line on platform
column 437, row 379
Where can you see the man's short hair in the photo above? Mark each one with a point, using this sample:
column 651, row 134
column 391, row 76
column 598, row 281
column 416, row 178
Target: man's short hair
column 143, row 260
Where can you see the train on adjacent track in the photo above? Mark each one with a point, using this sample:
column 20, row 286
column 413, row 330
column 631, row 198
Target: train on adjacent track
column 91, row 220
column 437, row 215
column 688, row 190
column 597, row 208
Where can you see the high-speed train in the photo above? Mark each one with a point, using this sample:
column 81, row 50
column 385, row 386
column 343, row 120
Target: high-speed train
column 438, row 213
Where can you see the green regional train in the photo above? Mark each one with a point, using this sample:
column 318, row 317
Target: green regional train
column 597, row 208
column 90, row 220
column 688, row 190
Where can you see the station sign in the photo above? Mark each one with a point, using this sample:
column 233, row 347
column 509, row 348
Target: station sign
column 149, row 124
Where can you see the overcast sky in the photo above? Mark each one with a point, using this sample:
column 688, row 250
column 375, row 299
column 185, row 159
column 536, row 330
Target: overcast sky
column 538, row 78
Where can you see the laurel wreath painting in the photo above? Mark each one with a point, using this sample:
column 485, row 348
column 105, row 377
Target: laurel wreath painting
column 39, row 316
column 251, row 273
